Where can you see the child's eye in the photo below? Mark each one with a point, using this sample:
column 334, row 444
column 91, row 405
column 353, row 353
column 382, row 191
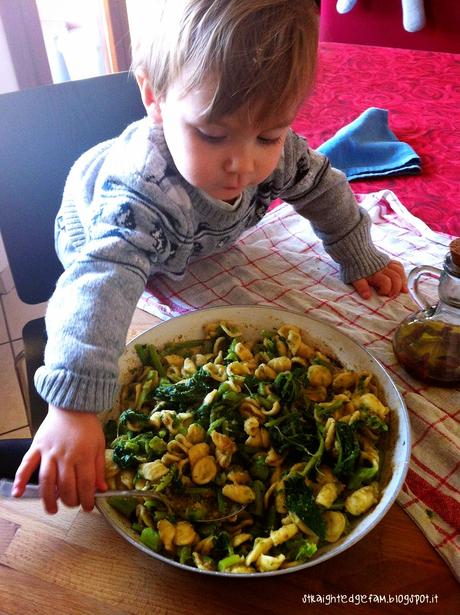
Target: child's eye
column 269, row 141
column 209, row 137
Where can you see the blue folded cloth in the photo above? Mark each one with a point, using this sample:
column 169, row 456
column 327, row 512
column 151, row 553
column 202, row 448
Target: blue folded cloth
column 368, row 148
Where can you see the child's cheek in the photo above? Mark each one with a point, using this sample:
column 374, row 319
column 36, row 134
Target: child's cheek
column 201, row 164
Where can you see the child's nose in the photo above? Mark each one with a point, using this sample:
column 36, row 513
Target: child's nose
column 240, row 161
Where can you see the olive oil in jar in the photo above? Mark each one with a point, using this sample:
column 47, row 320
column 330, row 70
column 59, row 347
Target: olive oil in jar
column 429, row 350
column 427, row 344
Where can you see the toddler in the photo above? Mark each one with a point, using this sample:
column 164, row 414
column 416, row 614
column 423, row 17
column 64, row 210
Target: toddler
column 221, row 83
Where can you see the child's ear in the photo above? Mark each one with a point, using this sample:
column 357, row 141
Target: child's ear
column 149, row 99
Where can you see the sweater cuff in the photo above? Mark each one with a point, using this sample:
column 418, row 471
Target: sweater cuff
column 64, row 389
column 358, row 257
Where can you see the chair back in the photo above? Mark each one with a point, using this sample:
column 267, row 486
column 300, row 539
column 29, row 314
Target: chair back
column 42, row 132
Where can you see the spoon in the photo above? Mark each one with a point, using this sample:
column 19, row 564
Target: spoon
column 33, row 491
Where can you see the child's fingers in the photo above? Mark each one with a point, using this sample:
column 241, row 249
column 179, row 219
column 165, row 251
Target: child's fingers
column 387, row 282
column 101, row 485
column 86, row 478
column 390, row 283
column 397, row 266
column 29, row 463
column 48, row 491
column 381, row 282
column 67, row 483
column 399, row 269
column 362, row 287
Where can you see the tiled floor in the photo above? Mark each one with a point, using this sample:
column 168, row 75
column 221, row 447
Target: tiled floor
column 13, row 316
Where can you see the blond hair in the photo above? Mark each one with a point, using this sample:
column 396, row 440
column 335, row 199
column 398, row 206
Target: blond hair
column 256, row 51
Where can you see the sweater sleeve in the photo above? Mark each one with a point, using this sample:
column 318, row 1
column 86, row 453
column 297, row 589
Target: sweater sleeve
column 90, row 311
column 322, row 195
column 87, row 322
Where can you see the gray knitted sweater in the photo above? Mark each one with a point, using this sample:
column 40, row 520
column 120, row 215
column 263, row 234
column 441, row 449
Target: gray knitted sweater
column 128, row 215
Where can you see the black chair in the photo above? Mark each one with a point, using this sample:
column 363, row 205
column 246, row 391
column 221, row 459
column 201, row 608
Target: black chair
column 42, row 132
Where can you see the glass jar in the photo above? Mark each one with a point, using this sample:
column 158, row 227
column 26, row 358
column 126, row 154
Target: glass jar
column 427, row 343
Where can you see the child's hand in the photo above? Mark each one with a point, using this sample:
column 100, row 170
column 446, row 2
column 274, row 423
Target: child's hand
column 69, row 446
column 389, row 281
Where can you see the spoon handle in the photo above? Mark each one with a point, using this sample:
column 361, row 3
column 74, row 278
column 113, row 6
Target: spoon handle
column 33, row 491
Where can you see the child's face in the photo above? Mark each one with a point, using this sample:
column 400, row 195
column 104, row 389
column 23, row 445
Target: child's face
column 222, row 157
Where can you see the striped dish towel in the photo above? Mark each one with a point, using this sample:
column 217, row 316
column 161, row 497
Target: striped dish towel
column 281, row 262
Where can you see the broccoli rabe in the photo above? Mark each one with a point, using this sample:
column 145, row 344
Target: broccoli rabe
column 300, row 549
column 130, row 451
column 148, row 355
column 294, row 434
column 306, row 550
column 251, row 384
column 110, row 432
column 151, row 539
column 187, row 392
column 325, row 409
column 348, row 450
column 286, row 386
column 148, row 386
column 289, row 384
column 130, row 420
column 221, row 413
column 126, row 506
column 259, row 469
column 223, row 551
column 300, row 500
column 231, row 353
column 373, row 422
column 363, row 476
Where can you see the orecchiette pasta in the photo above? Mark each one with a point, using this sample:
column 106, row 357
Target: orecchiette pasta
column 273, row 425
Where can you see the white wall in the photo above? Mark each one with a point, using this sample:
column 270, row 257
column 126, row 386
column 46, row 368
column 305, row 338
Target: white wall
column 8, row 82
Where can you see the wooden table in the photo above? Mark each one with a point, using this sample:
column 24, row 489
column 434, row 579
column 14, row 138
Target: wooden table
column 75, row 563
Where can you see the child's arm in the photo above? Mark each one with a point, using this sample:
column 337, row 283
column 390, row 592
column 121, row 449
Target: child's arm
column 69, row 447
column 323, row 196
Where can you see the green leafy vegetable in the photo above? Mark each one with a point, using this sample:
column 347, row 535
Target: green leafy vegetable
column 300, row 548
column 130, row 451
column 293, row 433
column 306, row 551
column 151, row 539
column 126, row 506
column 348, row 448
column 132, row 421
column 110, row 432
column 289, row 384
column 148, row 355
column 363, row 476
column 300, row 500
column 373, row 422
column 187, row 392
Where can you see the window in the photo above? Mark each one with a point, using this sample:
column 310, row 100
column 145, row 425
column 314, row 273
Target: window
column 51, row 41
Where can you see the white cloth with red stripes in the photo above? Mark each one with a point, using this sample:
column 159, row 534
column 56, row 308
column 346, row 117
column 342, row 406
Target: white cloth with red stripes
column 281, row 262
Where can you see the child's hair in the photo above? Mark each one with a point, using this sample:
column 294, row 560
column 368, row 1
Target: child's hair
column 256, row 51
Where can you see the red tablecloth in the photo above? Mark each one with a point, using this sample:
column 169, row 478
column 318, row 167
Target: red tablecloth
column 421, row 90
